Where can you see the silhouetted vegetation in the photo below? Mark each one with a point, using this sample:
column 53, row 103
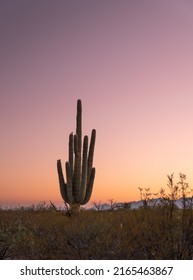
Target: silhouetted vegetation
column 80, row 173
column 153, row 231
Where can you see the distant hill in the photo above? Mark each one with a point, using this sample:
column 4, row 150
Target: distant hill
column 141, row 203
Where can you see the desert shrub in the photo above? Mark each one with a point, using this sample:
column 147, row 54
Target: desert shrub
column 153, row 231
column 144, row 233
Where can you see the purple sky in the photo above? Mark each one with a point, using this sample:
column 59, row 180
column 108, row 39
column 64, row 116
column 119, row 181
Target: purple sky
column 131, row 64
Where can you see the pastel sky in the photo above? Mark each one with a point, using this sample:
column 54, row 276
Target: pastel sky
column 131, row 64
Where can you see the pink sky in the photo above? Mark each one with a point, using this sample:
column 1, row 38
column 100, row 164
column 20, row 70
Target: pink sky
column 131, row 64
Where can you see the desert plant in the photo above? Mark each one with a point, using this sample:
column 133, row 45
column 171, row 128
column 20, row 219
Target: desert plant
column 80, row 174
column 98, row 205
column 112, row 204
column 147, row 197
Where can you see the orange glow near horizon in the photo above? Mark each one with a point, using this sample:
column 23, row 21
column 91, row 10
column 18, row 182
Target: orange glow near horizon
column 130, row 63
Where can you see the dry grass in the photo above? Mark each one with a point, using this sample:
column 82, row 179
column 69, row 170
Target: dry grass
column 158, row 232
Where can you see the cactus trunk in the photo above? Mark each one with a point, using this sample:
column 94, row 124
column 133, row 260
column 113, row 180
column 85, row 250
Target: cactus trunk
column 80, row 174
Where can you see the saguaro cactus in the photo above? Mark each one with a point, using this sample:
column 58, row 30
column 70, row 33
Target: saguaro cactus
column 80, row 174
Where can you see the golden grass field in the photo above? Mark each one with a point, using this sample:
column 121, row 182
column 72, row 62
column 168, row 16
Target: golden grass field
column 159, row 232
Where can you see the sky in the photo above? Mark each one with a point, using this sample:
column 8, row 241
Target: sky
column 131, row 64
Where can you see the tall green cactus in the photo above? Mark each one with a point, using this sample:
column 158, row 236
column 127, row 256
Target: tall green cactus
column 80, row 174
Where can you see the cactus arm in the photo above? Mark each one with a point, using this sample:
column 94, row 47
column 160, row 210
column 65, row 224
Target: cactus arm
column 79, row 124
column 62, row 183
column 78, row 149
column 69, row 190
column 77, row 170
column 75, row 164
column 70, row 154
column 84, row 170
column 76, row 145
column 89, row 187
column 91, row 153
